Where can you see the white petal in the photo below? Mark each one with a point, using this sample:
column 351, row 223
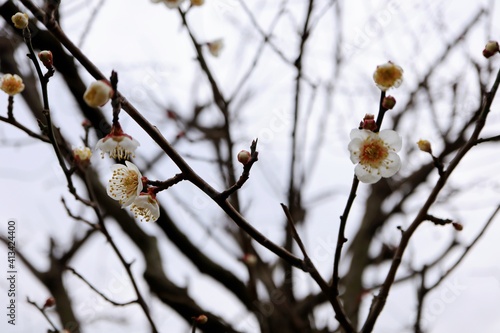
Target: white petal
column 360, row 134
column 390, row 166
column 130, row 144
column 146, row 207
column 366, row 175
column 133, row 167
column 392, row 139
column 107, row 145
column 354, row 147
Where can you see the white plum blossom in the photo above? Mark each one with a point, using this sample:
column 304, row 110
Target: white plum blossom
column 82, row 155
column 117, row 144
column 11, row 84
column 146, row 207
column 98, row 93
column 375, row 154
column 125, row 184
column 388, row 75
column 20, row 20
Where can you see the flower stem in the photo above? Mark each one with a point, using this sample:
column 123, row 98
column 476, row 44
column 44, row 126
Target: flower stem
column 381, row 112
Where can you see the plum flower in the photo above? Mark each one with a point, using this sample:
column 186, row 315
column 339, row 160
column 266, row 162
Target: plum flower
column 20, row 20
column 98, row 93
column 375, row 154
column 125, row 184
column 11, row 84
column 118, row 144
column 82, row 155
column 146, row 207
column 388, row 76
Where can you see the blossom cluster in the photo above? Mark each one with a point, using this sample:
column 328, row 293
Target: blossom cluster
column 127, row 185
column 374, row 152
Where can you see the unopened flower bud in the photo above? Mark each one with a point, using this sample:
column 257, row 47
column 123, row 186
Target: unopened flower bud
column 201, row 319
column 46, row 58
column 171, row 114
column 49, row 302
column 424, row 146
column 244, row 157
column 86, row 123
column 197, row 2
column 98, row 93
column 491, row 49
column 82, row 156
column 20, row 20
column 368, row 123
column 215, row 47
column 457, row 226
column 249, row 258
column 388, row 102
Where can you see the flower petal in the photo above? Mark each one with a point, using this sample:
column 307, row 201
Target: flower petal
column 391, row 165
column 392, row 139
column 354, row 147
column 366, row 174
column 360, row 134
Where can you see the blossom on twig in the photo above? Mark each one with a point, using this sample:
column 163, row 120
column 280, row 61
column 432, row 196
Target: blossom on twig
column 20, row 20
column 98, row 93
column 118, row 144
column 125, row 184
column 11, row 84
column 146, row 207
column 388, row 75
column 375, row 154
column 82, row 155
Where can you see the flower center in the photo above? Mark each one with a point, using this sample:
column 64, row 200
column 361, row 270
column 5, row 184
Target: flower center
column 130, row 182
column 373, row 152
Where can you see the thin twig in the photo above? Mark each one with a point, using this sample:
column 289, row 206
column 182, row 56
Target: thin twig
column 97, row 291
column 254, row 157
column 467, row 249
column 42, row 310
column 26, row 130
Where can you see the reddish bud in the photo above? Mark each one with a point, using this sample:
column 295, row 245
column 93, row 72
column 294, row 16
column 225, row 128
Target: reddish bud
column 86, row 123
column 46, row 58
column 201, row 319
column 388, row 102
column 491, row 49
column 457, row 226
column 249, row 259
column 49, row 302
column 368, row 123
column 171, row 114
column 82, row 156
column 244, row 157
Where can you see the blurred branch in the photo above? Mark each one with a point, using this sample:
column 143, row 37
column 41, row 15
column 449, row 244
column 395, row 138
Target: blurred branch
column 97, row 291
